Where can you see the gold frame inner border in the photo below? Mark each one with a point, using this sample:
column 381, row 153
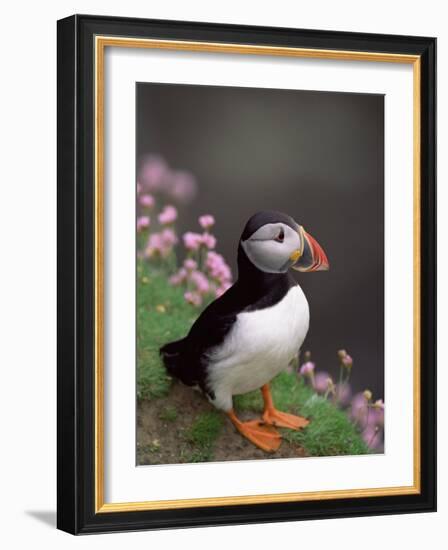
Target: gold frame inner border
column 100, row 44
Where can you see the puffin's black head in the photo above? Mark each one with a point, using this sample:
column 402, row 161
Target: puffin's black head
column 273, row 242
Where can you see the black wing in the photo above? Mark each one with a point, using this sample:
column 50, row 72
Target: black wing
column 186, row 359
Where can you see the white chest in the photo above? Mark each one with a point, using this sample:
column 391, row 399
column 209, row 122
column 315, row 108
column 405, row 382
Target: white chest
column 260, row 345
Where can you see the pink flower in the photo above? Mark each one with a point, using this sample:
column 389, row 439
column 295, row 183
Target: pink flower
column 155, row 245
column 377, row 413
column 372, row 437
column 201, row 282
column 321, row 382
column 214, row 260
column 179, row 277
column 206, row 221
column 217, row 267
column 190, row 264
column 307, row 368
column 183, row 186
column 343, row 393
column 168, row 215
column 359, row 408
column 160, row 243
column 169, row 237
column 154, row 173
column 208, row 240
column 347, row 361
column 147, row 201
column 139, row 188
column 193, row 298
column 192, row 241
column 143, row 223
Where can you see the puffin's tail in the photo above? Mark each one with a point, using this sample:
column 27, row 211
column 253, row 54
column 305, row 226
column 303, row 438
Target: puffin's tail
column 171, row 354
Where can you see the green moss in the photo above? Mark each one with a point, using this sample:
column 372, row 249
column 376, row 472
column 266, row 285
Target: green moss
column 168, row 413
column 151, row 447
column 204, row 431
column 194, row 455
column 329, row 433
column 248, row 402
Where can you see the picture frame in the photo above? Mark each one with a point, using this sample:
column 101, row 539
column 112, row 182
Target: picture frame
column 82, row 239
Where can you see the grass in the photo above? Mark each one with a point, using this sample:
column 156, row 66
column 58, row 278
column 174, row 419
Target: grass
column 163, row 316
column 202, row 434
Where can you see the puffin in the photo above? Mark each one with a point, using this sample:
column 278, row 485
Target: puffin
column 248, row 335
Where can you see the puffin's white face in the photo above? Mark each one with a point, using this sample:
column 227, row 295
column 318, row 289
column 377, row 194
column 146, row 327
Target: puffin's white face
column 274, row 247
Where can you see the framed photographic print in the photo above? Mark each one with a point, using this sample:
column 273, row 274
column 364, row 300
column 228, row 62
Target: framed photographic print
column 246, row 274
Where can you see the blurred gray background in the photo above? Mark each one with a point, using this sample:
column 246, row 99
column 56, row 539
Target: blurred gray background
column 318, row 156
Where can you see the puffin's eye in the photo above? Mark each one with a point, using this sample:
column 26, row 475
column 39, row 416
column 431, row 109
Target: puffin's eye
column 281, row 236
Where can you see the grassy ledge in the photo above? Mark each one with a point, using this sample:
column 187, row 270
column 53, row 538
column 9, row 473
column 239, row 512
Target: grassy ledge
column 162, row 316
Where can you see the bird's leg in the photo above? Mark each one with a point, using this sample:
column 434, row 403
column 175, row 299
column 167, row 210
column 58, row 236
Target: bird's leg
column 274, row 417
column 265, row 437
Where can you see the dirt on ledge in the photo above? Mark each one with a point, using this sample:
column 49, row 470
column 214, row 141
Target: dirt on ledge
column 162, row 441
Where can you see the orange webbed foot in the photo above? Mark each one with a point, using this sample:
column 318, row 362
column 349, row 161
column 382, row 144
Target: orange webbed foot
column 263, row 436
column 273, row 417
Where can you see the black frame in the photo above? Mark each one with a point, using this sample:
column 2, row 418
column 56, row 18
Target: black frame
column 75, row 403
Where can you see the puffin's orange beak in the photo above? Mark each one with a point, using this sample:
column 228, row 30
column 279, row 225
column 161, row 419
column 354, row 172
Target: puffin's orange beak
column 311, row 257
